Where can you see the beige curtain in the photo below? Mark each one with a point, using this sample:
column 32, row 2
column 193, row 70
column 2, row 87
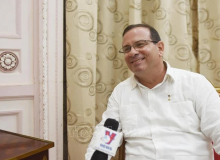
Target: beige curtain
column 190, row 30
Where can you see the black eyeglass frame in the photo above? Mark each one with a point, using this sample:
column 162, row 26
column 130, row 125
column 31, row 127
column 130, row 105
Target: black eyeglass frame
column 122, row 51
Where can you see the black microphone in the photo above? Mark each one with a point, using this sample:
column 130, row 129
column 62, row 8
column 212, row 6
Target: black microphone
column 111, row 124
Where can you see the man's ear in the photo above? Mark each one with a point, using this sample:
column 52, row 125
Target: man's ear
column 160, row 46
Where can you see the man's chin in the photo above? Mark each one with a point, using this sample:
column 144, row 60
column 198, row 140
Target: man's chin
column 137, row 71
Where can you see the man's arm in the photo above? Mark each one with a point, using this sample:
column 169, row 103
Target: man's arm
column 208, row 110
column 111, row 112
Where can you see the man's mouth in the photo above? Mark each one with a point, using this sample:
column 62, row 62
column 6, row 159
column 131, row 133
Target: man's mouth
column 138, row 60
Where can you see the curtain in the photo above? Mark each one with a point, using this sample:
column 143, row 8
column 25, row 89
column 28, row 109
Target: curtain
column 190, row 30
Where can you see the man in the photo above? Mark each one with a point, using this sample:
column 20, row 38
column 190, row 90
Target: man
column 163, row 112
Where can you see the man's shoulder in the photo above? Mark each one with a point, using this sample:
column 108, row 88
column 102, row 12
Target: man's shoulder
column 181, row 73
column 123, row 87
column 126, row 82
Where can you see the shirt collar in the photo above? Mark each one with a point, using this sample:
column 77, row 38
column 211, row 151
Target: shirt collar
column 169, row 75
column 169, row 72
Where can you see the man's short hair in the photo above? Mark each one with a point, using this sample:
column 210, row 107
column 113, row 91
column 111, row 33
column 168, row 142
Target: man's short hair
column 154, row 35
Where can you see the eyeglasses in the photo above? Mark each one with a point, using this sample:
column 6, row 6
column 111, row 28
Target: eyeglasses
column 137, row 46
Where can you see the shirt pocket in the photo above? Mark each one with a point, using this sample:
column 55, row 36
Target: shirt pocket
column 129, row 116
column 182, row 116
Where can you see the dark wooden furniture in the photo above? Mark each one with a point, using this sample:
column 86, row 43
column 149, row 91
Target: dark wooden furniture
column 216, row 156
column 15, row 146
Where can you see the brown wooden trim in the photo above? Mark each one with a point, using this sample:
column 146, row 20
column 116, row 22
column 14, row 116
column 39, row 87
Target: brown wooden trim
column 217, row 89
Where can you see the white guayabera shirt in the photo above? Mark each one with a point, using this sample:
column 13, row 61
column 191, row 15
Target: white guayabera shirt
column 176, row 120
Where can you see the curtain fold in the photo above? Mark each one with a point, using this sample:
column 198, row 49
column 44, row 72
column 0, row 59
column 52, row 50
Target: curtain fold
column 190, row 30
column 209, row 40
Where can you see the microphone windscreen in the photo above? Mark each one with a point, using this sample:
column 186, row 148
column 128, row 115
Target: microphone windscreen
column 111, row 124
column 97, row 155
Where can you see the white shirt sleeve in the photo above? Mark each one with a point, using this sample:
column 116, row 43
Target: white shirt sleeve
column 208, row 110
column 111, row 112
column 90, row 150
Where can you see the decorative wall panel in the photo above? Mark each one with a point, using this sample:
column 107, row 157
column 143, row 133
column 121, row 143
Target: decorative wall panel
column 16, row 115
column 10, row 26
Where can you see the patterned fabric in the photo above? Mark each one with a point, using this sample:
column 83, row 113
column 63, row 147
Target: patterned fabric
column 190, row 30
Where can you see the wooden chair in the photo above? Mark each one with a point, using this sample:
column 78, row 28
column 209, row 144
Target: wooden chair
column 216, row 156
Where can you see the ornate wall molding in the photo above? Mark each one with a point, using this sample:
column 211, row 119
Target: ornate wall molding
column 56, row 76
column 8, row 61
column 51, row 74
column 44, row 69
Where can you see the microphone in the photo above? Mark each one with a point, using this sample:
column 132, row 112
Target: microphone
column 111, row 124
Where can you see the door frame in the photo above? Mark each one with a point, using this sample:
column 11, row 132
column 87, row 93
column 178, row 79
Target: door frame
column 49, row 73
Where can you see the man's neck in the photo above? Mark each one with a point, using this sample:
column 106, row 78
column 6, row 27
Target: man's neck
column 152, row 78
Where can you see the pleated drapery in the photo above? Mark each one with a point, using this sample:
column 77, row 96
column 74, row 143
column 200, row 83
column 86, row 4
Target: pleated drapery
column 190, row 30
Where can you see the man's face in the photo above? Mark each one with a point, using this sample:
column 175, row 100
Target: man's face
column 147, row 57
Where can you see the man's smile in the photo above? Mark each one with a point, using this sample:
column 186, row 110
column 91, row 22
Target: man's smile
column 137, row 60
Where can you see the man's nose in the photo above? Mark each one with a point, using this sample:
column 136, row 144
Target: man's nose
column 133, row 52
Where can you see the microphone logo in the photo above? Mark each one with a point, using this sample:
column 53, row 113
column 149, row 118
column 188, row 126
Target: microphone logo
column 108, row 138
